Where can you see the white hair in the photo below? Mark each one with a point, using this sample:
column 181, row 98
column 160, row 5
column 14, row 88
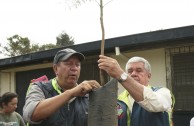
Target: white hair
column 192, row 122
column 138, row 59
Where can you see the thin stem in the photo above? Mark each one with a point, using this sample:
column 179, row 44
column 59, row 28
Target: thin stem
column 107, row 3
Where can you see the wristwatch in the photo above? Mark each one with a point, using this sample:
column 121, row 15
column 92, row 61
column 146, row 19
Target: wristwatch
column 123, row 77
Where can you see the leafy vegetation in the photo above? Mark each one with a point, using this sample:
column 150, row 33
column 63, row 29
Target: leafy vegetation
column 18, row 45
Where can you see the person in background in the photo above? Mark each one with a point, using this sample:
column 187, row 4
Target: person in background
column 140, row 104
column 8, row 105
column 61, row 101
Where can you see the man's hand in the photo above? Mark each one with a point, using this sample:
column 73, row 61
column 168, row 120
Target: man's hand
column 110, row 65
column 84, row 88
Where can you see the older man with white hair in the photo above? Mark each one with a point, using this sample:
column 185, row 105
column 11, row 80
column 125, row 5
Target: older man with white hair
column 140, row 104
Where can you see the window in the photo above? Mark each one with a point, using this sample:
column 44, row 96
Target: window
column 180, row 76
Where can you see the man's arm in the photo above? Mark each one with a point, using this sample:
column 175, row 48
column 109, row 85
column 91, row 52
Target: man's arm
column 112, row 67
column 33, row 97
column 44, row 108
column 156, row 101
column 47, row 107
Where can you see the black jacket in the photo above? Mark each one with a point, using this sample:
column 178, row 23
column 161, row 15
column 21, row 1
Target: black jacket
column 73, row 114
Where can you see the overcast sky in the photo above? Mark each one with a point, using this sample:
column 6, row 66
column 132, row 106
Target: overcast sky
column 42, row 20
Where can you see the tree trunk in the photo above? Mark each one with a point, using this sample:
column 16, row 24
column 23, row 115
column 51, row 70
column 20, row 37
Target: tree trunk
column 102, row 73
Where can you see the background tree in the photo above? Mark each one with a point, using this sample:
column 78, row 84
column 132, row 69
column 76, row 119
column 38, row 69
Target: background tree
column 47, row 47
column 74, row 3
column 64, row 39
column 18, row 45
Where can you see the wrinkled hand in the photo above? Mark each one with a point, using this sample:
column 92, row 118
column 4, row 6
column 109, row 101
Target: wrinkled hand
column 110, row 65
column 85, row 87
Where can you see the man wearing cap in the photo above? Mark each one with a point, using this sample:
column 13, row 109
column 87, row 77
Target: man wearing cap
column 60, row 101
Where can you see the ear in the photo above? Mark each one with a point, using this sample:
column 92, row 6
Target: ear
column 149, row 75
column 55, row 68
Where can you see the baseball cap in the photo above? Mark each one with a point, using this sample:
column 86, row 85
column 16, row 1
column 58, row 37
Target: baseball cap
column 64, row 54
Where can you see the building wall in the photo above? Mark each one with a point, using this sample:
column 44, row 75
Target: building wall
column 7, row 80
column 7, row 77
